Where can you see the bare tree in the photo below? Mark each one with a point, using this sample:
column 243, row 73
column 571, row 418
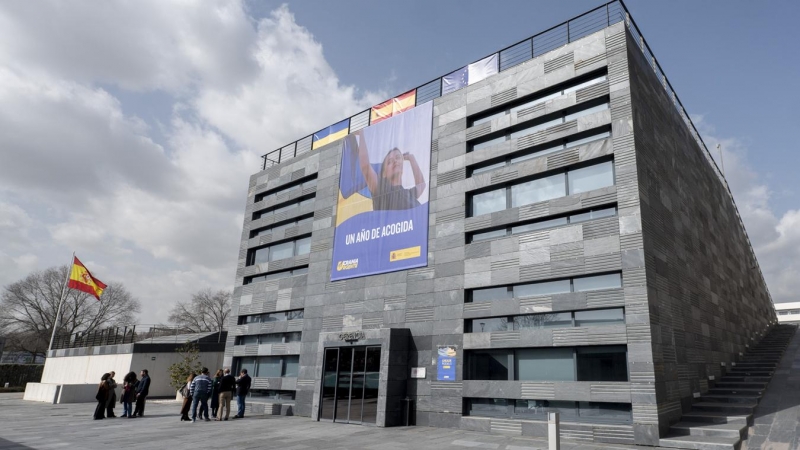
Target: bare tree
column 28, row 309
column 206, row 311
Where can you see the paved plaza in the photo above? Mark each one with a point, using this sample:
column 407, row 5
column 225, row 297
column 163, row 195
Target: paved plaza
column 25, row 425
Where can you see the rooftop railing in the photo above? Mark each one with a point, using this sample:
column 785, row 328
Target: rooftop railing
column 562, row 34
column 139, row 333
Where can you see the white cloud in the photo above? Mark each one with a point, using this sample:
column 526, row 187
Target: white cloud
column 164, row 219
column 775, row 237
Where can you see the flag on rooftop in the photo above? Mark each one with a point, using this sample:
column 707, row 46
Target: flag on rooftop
column 393, row 107
column 330, row 134
column 82, row 280
column 470, row 74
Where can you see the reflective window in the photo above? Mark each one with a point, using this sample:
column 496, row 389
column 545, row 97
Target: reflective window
column 488, row 407
column 489, row 294
column 303, row 246
column 488, row 143
column 489, row 324
column 272, row 394
column 545, row 320
column 596, row 317
column 540, row 408
column 592, row 177
column 542, row 288
column 605, row 412
column 281, row 226
column 535, row 128
column 295, row 185
column 488, row 235
column 282, row 208
column 538, row 190
column 585, row 112
column 607, row 363
column 269, row 366
column 539, row 225
column 247, row 340
column 570, row 411
column 585, row 84
column 545, row 364
column 489, row 202
column 536, row 102
column 593, row 214
column 488, row 168
column 272, row 317
column 292, row 364
column 260, row 256
column 248, row 364
column 488, row 118
column 597, row 282
column 586, row 140
column 281, row 251
column 488, row 365
column 276, row 338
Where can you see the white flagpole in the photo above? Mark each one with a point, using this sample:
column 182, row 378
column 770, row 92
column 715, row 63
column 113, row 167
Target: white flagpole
column 60, row 302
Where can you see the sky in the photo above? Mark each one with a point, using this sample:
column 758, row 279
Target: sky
column 129, row 130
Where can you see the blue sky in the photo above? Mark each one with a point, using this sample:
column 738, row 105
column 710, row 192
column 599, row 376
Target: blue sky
column 129, row 130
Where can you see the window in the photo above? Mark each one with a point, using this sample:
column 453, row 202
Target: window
column 268, row 394
column 536, row 151
column 570, row 411
column 783, row 313
column 270, row 366
column 600, row 363
column 576, row 284
column 541, row 224
column 794, row 311
column 572, row 181
column 271, row 317
column 307, row 218
column 272, row 338
column 591, row 177
column 545, row 364
column 489, row 365
column 281, row 251
column 597, row 282
column 304, row 183
column 283, row 207
column 596, row 317
column 275, row 275
column 566, row 88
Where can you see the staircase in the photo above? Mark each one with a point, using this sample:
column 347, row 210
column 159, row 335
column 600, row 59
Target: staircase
column 719, row 419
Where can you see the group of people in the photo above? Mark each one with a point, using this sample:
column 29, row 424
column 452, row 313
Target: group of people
column 133, row 391
column 220, row 390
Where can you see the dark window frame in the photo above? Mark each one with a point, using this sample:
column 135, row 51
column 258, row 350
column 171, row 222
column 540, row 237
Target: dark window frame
column 251, row 252
column 295, row 201
column 295, row 221
column 510, row 287
column 469, row 236
column 510, row 318
column 302, row 270
column 284, row 188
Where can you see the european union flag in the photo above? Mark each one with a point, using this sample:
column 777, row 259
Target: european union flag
column 455, row 80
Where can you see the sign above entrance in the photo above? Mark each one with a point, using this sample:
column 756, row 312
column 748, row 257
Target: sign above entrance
column 352, row 336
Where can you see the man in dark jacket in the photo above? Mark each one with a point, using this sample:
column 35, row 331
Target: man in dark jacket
column 242, row 388
column 227, row 385
column 142, row 389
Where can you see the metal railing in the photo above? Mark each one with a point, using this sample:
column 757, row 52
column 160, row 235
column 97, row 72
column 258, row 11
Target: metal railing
column 138, row 333
column 562, row 34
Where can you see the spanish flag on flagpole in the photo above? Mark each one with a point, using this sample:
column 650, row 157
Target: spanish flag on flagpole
column 81, row 279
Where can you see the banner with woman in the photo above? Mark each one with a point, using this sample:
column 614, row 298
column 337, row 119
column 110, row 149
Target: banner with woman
column 382, row 211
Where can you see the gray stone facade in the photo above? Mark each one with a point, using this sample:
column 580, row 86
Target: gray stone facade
column 690, row 298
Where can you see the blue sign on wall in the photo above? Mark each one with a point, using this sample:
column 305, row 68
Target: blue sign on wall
column 446, row 365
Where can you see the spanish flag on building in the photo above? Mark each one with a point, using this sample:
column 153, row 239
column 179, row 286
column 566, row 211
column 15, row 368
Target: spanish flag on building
column 81, row 279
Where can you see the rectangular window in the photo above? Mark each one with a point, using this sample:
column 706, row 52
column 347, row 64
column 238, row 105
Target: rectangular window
column 545, row 364
column 546, row 320
column 542, row 288
column 271, row 317
column 550, row 223
column 488, row 168
column 286, row 188
column 489, row 324
column 592, row 177
column 248, row 364
column 542, row 224
column 586, row 112
column 487, row 407
column 308, row 218
column 275, row 275
column 593, row 214
column 538, row 190
column 271, row 338
column 489, row 294
column 269, row 366
column 281, row 251
column 602, row 363
column 260, row 256
column 489, row 365
column 586, row 140
column 489, row 235
column 611, row 316
column 538, row 409
column 597, row 282
column 605, row 412
column 283, row 207
column 269, row 394
column 570, row 411
column 488, row 202
column 291, row 365
column 488, row 143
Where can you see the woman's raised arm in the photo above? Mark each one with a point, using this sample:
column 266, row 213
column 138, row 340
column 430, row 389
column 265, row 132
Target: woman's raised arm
column 366, row 168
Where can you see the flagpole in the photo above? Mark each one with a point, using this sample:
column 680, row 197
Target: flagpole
column 60, row 302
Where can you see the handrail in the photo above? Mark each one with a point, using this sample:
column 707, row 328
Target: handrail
column 123, row 334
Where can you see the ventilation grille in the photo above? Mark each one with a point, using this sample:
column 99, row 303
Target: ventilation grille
column 559, row 62
column 589, row 61
column 504, row 97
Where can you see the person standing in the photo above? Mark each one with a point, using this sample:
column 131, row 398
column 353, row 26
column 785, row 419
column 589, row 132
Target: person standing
column 112, row 394
column 242, row 388
column 227, row 385
column 128, row 394
column 200, row 389
column 142, row 389
column 101, row 397
column 187, row 397
column 215, row 393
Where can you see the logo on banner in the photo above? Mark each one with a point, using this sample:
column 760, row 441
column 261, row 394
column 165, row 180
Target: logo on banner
column 347, row 265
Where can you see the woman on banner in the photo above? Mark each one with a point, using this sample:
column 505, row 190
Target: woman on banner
column 386, row 187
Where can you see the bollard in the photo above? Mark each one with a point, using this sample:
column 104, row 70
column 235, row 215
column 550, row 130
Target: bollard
column 553, row 431
column 7, row 384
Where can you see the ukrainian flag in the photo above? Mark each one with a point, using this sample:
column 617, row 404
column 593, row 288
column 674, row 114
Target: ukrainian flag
column 330, row 134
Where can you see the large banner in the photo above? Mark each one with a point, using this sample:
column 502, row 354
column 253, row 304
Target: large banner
column 382, row 213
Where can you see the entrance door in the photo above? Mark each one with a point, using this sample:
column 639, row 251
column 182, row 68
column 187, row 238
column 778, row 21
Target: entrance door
column 350, row 384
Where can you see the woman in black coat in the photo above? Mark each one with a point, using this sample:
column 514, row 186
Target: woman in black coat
column 101, row 397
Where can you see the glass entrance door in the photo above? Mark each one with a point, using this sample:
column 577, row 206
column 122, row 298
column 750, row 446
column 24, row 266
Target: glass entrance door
column 350, row 378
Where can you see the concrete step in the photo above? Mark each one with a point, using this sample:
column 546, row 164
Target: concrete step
column 701, row 442
column 760, row 385
column 732, row 430
column 731, row 398
column 716, row 417
column 736, row 391
column 745, row 378
column 728, row 408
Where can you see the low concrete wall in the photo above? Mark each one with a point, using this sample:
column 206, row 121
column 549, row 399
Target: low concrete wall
column 61, row 393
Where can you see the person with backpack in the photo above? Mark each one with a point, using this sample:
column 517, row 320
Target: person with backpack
column 200, row 390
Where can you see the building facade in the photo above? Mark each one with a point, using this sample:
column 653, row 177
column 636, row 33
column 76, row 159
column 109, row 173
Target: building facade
column 583, row 257
column 788, row 312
